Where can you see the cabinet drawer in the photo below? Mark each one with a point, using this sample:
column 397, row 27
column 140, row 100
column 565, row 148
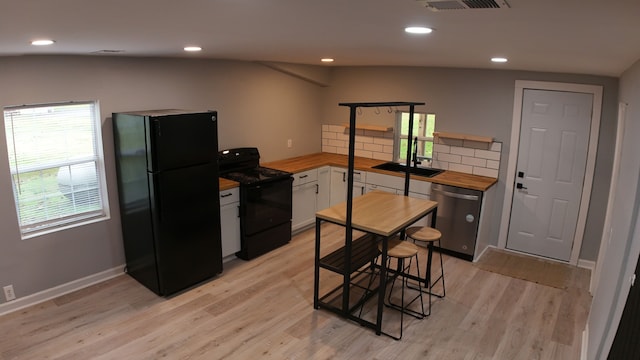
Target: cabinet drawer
column 229, row 196
column 305, row 177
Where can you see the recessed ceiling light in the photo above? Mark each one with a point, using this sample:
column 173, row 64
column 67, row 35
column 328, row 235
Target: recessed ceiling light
column 42, row 42
column 418, row 30
column 327, row 60
column 192, row 48
column 499, row 59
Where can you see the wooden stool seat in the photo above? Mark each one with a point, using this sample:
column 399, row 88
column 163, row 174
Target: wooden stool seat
column 424, row 233
column 400, row 249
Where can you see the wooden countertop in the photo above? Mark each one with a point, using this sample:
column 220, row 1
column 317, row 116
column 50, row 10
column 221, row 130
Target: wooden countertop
column 226, row 184
column 308, row 162
column 380, row 212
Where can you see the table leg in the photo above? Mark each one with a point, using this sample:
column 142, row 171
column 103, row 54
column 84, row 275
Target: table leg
column 316, row 279
column 383, row 284
column 427, row 275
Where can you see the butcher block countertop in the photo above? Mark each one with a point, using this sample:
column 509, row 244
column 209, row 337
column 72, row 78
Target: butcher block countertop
column 226, row 184
column 308, row 162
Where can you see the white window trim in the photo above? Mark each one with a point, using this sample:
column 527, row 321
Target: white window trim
column 30, row 231
column 399, row 137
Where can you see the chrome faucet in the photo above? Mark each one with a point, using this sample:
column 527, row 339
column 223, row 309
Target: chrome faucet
column 415, row 153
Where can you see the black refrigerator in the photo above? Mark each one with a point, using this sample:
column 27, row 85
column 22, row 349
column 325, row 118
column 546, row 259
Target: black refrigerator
column 167, row 170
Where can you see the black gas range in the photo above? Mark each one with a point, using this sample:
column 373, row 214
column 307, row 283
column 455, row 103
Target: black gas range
column 265, row 201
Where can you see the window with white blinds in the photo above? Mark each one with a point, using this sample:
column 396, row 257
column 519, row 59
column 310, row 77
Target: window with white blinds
column 55, row 156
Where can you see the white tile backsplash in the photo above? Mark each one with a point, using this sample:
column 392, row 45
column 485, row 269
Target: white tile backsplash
column 462, row 151
column 471, row 157
column 452, row 158
column 483, row 171
column 373, row 147
column 368, row 143
column 468, row 169
column 486, row 154
column 469, row 160
column 493, row 164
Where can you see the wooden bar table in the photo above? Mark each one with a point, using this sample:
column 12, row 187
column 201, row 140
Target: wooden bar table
column 380, row 215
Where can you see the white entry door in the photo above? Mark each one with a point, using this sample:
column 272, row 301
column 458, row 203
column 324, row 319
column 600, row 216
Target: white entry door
column 552, row 158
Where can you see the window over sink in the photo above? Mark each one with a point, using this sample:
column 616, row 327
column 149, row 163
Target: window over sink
column 423, row 127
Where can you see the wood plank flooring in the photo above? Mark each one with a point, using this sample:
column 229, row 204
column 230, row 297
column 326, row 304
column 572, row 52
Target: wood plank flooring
column 264, row 309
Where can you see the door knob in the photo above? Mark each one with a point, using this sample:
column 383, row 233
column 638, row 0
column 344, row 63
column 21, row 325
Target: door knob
column 520, row 186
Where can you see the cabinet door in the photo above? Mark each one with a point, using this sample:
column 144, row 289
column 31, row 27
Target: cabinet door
column 230, row 228
column 358, row 189
column 338, row 186
column 324, row 188
column 230, row 221
column 304, row 205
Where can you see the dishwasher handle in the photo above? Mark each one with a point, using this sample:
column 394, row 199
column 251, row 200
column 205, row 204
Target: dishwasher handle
column 457, row 196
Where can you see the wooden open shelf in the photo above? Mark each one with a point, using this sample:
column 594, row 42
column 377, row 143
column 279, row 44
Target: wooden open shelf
column 363, row 250
column 371, row 127
column 450, row 135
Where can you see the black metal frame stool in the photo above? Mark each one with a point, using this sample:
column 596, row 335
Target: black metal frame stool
column 430, row 236
column 402, row 250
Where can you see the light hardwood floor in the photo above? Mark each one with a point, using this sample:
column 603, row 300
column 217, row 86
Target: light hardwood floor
column 264, row 309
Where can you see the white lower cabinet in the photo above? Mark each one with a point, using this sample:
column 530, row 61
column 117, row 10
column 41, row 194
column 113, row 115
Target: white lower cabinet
column 230, row 222
column 339, row 184
column 324, row 188
column 305, row 192
column 395, row 184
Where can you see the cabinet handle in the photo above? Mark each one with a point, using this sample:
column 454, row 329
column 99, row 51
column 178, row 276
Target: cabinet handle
column 238, row 211
column 344, row 174
column 317, row 188
column 303, row 176
column 225, row 195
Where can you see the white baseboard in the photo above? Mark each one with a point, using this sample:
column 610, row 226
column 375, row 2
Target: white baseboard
column 60, row 290
column 483, row 252
column 585, row 342
column 587, row 264
column 591, row 265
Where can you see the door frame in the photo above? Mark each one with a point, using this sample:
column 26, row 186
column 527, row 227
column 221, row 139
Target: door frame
column 520, row 87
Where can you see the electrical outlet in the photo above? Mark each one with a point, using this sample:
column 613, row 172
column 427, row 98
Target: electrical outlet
column 289, row 143
column 8, row 293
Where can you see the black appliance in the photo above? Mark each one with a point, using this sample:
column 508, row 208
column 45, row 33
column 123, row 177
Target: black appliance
column 265, row 201
column 166, row 162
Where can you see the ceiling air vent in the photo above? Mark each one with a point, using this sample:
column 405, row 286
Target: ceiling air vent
column 437, row 5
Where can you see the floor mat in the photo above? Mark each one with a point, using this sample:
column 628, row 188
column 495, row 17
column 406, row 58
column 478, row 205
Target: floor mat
column 543, row 272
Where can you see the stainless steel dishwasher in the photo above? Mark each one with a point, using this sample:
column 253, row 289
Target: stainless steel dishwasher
column 457, row 220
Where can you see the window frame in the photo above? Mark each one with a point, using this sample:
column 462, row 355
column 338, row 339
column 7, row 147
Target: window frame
column 422, row 139
column 81, row 218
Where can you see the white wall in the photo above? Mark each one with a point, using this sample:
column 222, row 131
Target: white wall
column 257, row 105
column 620, row 255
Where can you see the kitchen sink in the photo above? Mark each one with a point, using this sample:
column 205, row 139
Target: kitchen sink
column 420, row 171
